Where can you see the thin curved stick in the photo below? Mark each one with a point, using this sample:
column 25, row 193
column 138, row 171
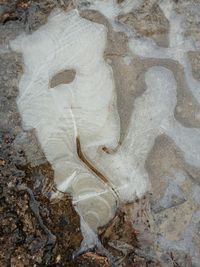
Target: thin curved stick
column 93, row 169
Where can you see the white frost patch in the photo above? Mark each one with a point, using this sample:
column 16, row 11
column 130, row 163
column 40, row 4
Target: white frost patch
column 127, row 60
column 179, row 45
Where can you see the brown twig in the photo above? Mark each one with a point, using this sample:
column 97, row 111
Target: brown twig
column 92, row 168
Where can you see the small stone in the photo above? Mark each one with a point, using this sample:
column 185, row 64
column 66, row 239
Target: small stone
column 58, row 258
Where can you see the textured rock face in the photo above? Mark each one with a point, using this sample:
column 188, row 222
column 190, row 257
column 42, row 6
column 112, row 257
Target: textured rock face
column 122, row 76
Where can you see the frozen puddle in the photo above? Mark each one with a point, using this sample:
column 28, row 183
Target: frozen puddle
column 77, row 121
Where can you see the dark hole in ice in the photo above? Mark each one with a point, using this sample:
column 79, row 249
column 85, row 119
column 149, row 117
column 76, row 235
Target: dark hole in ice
column 63, row 77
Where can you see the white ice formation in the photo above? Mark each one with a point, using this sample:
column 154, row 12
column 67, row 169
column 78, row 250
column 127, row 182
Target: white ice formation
column 77, row 124
column 84, row 108
column 178, row 48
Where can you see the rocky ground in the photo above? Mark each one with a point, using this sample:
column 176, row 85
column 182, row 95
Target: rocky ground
column 162, row 228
